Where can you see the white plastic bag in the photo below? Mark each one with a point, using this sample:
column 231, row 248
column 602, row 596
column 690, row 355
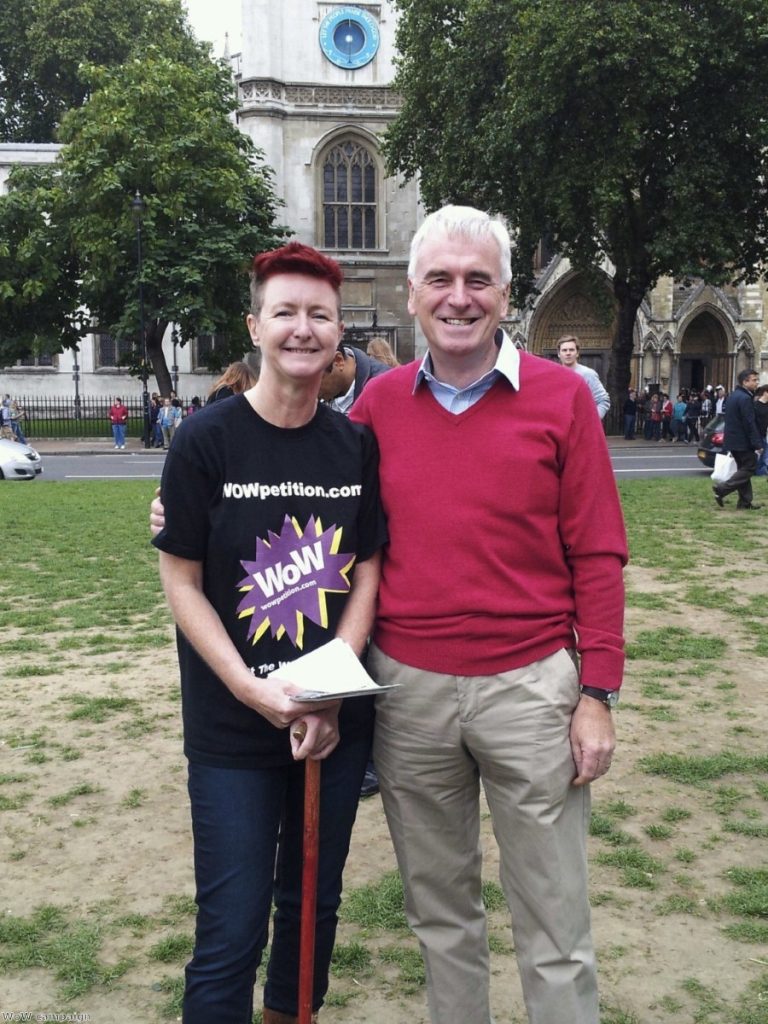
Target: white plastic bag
column 725, row 467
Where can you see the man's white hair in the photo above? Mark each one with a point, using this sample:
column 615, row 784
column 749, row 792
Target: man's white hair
column 468, row 223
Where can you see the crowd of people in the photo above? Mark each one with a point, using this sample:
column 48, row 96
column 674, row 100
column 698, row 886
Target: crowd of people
column 12, row 415
column 655, row 417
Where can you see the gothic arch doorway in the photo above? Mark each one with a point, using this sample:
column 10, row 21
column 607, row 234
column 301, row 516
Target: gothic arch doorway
column 704, row 353
column 571, row 308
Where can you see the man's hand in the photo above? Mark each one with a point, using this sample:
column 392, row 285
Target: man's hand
column 593, row 740
column 156, row 514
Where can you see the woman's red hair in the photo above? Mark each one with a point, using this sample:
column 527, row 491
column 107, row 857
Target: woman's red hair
column 297, row 258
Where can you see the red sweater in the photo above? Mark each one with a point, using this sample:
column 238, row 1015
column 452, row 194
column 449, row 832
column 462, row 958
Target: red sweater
column 506, row 532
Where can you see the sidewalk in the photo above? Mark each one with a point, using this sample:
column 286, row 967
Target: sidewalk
column 134, row 446
column 90, row 446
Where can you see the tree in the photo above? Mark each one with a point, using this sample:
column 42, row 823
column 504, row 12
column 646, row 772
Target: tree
column 164, row 129
column 634, row 131
column 45, row 44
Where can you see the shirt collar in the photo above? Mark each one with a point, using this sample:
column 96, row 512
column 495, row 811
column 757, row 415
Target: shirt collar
column 507, row 364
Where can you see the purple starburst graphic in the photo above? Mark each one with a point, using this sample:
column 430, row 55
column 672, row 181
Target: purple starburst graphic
column 290, row 577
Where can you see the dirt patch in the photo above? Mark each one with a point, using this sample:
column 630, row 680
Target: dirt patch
column 95, row 825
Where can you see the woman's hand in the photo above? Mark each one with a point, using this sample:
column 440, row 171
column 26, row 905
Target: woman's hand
column 315, row 735
column 272, row 699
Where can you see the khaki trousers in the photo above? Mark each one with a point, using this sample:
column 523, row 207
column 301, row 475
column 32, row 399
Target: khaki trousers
column 437, row 738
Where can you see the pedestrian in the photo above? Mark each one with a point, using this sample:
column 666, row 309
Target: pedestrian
column 345, row 378
column 194, row 406
column 155, row 430
column 166, row 419
column 630, row 415
column 486, row 591
column 341, row 386
column 6, row 427
column 118, row 417
column 18, row 415
column 237, row 378
column 692, row 417
column 761, row 419
column 719, row 400
column 315, row 511
column 380, row 350
column 742, row 439
column 678, row 419
column 652, row 430
column 568, row 350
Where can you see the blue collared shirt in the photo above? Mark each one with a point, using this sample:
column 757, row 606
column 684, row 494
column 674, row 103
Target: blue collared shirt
column 457, row 400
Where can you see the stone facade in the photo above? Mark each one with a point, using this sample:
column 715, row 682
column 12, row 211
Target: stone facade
column 319, row 126
column 316, row 122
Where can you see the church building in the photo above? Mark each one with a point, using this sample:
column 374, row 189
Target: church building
column 314, row 86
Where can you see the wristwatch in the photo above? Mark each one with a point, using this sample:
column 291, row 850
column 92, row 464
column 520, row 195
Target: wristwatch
column 608, row 697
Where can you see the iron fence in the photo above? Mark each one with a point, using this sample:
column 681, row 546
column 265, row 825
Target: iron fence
column 89, row 417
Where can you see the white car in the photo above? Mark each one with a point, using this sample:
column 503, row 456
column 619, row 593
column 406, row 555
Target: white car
column 18, row 461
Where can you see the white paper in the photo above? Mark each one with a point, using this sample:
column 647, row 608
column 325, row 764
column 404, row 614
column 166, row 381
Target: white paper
column 333, row 670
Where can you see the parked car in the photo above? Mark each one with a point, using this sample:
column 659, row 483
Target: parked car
column 711, row 443
column 18, row 461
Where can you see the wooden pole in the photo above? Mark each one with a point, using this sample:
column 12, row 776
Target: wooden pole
column 311, row 851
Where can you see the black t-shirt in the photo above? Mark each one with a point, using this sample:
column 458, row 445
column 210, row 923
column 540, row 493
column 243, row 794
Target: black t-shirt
column 278, row 518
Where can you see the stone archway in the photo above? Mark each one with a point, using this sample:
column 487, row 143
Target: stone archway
column 704, row 353
column 571, row 309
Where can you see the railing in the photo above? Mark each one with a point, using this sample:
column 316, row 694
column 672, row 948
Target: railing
column 62, row 417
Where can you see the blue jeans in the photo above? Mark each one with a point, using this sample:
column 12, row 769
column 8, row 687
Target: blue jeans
column 118, row 432
column 247, row 826
column 762, row 462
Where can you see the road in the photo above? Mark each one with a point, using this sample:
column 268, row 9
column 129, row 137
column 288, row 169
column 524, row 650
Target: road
column 631, row 461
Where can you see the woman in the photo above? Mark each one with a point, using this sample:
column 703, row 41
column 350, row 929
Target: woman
column 118, row 417
column 270, row 549
column 381, row 350
column 236, row 379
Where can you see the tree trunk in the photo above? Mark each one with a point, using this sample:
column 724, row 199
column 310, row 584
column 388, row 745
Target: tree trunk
column 156, row 357
column 622, row 350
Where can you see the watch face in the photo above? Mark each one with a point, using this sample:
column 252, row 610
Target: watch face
column 349, row 37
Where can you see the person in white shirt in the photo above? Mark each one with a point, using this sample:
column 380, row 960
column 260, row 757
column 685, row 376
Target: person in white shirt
column 568, row 349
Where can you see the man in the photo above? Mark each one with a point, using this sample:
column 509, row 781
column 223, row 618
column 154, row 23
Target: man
column 761, row 418
column 341, row 386
column 719, row 400
column 346, row 377
column 742, row 439
column 568, row 349
column 506, row 543
column 630, row 415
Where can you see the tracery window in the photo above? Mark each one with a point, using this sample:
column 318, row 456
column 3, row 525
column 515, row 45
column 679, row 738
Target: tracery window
column 349, row 197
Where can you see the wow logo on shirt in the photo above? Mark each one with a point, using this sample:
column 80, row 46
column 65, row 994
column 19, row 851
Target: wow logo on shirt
column 290, row 577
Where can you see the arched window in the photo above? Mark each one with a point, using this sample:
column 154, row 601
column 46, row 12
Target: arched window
column 349, row 197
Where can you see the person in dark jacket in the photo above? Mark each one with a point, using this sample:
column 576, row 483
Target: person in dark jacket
column 742, row 439
column 761, row 417
column 345, row 378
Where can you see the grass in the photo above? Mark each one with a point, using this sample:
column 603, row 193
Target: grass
column 688, row 799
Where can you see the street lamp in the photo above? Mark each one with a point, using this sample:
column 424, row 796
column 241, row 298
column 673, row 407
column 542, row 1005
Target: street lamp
column 138, row 206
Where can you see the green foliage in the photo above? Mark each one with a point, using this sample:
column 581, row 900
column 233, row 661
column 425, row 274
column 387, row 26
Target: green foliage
column 162, row 126
column 49, row 939
column 410, row 966
column 697, row 769
column 377, row 906
column 45, row 43
column 593, row 123
column 172, row 948
column 672, row 643
column 350, row 959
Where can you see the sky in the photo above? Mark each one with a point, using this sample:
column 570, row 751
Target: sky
column 210, row 19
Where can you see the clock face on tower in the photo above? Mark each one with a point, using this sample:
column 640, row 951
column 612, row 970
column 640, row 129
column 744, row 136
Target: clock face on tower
column 349, row 37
